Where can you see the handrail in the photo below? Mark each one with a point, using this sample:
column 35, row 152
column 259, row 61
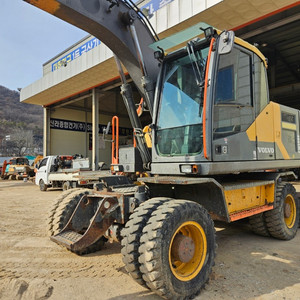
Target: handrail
column 115, row 141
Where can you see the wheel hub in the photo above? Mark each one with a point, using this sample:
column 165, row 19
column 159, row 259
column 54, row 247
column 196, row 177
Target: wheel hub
column 287, row 210
column 183, row 248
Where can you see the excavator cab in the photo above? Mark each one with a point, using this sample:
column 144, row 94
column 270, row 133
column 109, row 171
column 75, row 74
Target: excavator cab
column 210, row 97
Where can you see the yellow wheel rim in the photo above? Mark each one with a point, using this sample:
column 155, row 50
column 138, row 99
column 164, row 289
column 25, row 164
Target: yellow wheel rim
column 194, row 233
column 289, row 211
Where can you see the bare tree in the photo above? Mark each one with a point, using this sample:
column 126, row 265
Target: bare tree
column 20, row 141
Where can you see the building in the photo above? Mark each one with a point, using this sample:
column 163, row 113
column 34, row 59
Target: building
column 79, row 89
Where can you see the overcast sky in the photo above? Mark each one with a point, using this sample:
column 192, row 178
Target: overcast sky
column 28, row 38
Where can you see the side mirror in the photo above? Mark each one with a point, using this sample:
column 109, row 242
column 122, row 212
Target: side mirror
column 226, row 40
column 106, row 130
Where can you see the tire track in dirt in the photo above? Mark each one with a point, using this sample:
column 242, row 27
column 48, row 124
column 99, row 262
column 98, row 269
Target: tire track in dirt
column 27, row 252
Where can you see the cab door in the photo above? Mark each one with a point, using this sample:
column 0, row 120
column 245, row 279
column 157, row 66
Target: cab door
column 233, row 107
column 42, row 171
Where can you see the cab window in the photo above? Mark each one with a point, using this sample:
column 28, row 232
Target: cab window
column 233, row 110
column 43, row 162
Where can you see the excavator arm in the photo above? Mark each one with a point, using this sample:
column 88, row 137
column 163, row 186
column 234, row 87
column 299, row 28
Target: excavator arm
column 121, row 27
column 111, row 21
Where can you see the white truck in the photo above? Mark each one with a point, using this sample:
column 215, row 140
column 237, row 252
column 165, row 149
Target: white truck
column 65, row 171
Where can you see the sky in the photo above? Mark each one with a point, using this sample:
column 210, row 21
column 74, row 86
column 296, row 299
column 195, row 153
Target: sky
column 29, row 37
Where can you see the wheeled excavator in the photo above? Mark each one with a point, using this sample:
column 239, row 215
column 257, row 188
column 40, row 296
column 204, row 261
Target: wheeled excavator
column 218, row 150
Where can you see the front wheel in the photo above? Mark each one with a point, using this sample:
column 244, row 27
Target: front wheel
column 177, row 249
column 43, row 186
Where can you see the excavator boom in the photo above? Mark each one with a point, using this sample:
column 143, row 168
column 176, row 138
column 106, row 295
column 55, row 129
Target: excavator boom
column 110, row 21
column 121, row 26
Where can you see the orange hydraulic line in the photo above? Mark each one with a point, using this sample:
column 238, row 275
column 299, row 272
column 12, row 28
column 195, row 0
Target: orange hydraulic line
column 139, row 110
column 134, row 140
column 115, row 141
column 205, row 98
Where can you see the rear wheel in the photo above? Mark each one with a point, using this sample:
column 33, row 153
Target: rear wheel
column 66, row 185
column 258, row 224
column 177, row 249
column 60, row 216
column 283, row 220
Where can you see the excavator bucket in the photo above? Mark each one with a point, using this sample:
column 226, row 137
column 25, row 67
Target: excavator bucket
column 93, row 215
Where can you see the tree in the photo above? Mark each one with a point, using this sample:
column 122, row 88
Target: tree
column 20, row 141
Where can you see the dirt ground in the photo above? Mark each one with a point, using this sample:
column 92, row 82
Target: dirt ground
column 33, row 267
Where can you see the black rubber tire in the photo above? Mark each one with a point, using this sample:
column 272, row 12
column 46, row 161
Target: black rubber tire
column 275, row 218
column 258, row 224
column 155, row 243
column 132, row 233
column 43, row 186
column 54, row 208
column 60, row 215
column 12, row 177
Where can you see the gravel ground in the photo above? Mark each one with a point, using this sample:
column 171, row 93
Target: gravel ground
column 33, row 267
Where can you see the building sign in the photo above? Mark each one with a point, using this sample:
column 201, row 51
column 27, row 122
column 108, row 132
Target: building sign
column 154, row 5
column 91, row 44
column 84, row 127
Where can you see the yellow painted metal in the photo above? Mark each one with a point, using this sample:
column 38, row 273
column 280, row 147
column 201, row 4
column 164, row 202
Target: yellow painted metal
column 242, row 199
column 290, row 220
column 188, row 271
column 289, row 126
column 278, row 130
column 264, row 125
column 51, row 6
column 267, row 128
column 147, row 135
column 251, row 48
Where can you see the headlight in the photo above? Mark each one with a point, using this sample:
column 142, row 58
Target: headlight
column 189, row 169
column 186, row 169
column 117, row 168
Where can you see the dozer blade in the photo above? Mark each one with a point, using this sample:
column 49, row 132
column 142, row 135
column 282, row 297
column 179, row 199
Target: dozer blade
column 93, row 215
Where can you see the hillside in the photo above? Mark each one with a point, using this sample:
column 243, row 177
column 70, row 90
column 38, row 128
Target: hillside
column 19, row 119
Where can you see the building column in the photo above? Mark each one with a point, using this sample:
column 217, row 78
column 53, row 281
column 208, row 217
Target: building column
column 46, row 136
column 95, row 130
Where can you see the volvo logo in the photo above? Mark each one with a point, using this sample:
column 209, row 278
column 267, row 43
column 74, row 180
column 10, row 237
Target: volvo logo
column 265, row 150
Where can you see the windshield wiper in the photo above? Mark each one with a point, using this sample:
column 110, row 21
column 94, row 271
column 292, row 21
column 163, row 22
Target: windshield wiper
column 198, row 66
column 197, row 69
